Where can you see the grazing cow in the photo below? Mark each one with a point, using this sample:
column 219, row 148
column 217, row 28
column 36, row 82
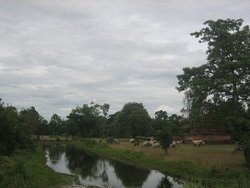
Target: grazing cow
column 116, row 141
column 146, row 143
column 156, row 145
column 151, row 142
column 132, row 140
column 136, row 143
column 198, row 142
column 177, row 143
column 173, row 144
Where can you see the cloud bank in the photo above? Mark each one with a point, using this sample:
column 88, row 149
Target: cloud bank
column 56, row 55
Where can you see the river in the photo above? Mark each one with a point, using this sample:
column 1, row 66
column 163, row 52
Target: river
column 96, row 171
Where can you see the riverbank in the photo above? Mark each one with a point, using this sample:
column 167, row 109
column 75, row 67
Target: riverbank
column 27, row 169
column 192, row 172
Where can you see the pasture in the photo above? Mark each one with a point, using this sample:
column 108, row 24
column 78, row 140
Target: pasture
column 208, row 155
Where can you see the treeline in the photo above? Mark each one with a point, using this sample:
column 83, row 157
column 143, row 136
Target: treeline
column 88, row 120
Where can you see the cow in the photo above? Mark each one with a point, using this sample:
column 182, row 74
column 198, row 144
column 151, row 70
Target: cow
column 198, row 142
column 116, row 141
column 173, row 144
column 132, row 140
column 156, row 145
column 177, row 143
column 146, row 143
column 151, row 142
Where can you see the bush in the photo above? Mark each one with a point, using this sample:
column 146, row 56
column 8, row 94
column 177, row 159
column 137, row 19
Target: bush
column 164, row 137
column 247, row 153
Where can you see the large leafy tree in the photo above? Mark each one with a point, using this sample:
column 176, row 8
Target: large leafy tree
column 31, row 120
column 133, row 120
column 162, row 120
column 224, row 81
column 8, row 126
column 56, row 124
column 15, row 129
column 84, row 120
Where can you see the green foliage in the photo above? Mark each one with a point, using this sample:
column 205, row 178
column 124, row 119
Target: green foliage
column 31, row 120
column 132, row 120
column 164, row 137
column 87, row 120
column 220, row 88
column 162, row 120
column 84, row 118
column 239, row 128
column 14, row 134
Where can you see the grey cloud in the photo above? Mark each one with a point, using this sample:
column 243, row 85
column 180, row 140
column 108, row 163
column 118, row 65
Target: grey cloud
column 58, row 54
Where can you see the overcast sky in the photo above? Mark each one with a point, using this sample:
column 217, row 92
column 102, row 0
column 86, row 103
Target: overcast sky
column 59, row 54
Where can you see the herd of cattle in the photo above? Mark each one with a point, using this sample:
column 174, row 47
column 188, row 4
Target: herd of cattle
column 155, row 144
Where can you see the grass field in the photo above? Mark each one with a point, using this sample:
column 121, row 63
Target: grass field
column 209, row 155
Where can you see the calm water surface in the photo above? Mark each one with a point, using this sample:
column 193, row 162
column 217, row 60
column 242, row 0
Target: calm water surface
column 97, row 171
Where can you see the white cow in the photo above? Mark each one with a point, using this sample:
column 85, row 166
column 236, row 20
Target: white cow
column 156, row 145
column 177, row 143
column 173, row 144
column 198, row 142
column 132, row 140
column 151, row 142
column 146, row 143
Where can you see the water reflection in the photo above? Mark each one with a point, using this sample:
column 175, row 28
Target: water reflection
column 164, row 183
column 129, row 175
column 81, row 163
column 100, row 172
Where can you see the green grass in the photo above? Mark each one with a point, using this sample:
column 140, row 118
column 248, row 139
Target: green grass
column 213, row 170
column 27, row 169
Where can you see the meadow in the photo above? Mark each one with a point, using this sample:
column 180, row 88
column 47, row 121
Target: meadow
column 207, row 166
column 209, row 155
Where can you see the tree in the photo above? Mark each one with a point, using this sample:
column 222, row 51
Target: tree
column 105, row 109
column 13, row 132
column 8, row 124
column 84, row 119
column 225, row 78
column 228, row 58
column 172, row 122
column 133, row 120
column 55, row 124
column 31, row 120
column 161, row 115
column 165, row 138
column 160, row 121
column 187, row 102
column 103, row 126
